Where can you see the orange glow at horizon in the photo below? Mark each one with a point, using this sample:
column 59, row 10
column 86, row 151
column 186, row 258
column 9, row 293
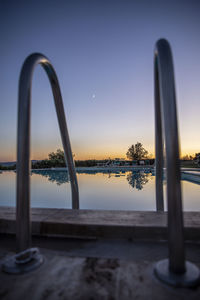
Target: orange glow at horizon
column 105, row 152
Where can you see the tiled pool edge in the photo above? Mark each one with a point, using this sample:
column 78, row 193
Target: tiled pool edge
column 148, row 225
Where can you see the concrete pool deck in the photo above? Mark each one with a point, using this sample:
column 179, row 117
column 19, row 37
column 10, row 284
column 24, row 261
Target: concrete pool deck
column 100, row 223
column 94, row 269
column 102, row 273
column 96, row 255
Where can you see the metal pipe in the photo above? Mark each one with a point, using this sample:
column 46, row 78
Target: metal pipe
column 175, row 270
column 165, row 104
column 23, row 225
column 159, row 146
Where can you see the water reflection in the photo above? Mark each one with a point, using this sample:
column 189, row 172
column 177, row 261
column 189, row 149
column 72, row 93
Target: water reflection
column 54, row 176
column 60, row 177
column 97, row 191
column 110, row 173
column 138, row 179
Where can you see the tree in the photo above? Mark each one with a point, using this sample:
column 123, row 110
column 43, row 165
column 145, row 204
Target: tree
column 187, row 157
column 57, row 158
column 136, row 152
column 58, row 155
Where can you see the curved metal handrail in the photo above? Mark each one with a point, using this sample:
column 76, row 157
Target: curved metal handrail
column 165, row 111
column 23, row 230
column 166, row 121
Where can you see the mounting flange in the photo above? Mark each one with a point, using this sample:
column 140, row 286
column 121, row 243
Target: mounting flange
column 190, row 278
column 23, row 262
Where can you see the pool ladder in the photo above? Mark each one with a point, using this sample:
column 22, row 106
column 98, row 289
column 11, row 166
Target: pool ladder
column 175, row 270
column 30, row 258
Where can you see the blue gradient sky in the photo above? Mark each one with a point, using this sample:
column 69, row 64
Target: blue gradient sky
column 102, row 52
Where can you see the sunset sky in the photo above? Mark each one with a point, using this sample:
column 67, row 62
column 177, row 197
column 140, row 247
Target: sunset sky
column 102, row 52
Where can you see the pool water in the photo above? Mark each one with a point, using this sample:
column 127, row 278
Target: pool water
column 131, row 190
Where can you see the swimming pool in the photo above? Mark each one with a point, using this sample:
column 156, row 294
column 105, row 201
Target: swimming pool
column 119, row 190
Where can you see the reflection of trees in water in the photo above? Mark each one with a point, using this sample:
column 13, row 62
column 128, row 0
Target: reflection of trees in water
column 59, row 177
column 137, row 179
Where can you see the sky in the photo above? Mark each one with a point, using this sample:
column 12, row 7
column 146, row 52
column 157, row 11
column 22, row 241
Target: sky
column 102, row 52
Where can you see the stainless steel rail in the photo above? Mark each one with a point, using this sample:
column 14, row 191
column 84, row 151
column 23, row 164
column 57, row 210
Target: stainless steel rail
column 174, row 271
column 23, row 224
column 29, row 258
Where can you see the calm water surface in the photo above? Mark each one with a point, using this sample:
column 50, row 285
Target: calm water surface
column 116, row 191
